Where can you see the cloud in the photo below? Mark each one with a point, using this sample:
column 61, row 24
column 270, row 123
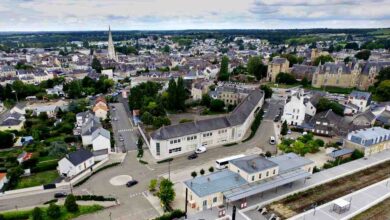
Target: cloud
column 32, row 15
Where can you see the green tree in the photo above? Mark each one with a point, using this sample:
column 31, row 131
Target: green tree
column 206, row 100
column 384, row 74
column 256, row 67
column 211, row 169
column 181, row 94
column 267, row 91
column 166, row 49
column 70, row 204
column 292, row 59
column 383, row 90
column 13, row 176
column 152, row 185
column 96, row 65
column 284, row 128
column 147, row 118
column 217, row 105
column 363, row 54
column 37, row 214
column 268, row 154
column 323, row 59
column 352, row 45
column 160, row 121
column 6, row 139
column 53, row 211
column 224, row 69
column 193, row 174
column 285, row 78
column 305, row 82
column 166, row 192
column 202, row 172
column 325, row 104
column 172, row 89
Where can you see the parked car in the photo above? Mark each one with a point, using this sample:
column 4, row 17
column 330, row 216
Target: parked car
column 115, row 119
column 200, row 150
column 60, row 195
column 192, row 156
column 131, row 183
column 272, row 140
column 289, row 131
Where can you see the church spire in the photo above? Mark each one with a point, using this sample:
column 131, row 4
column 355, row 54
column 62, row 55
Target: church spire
column 111, row 49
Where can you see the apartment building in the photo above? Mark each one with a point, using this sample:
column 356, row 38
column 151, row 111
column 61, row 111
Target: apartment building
column 369, row 141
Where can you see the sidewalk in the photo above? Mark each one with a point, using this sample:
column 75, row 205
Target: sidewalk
column 361, row 200
column 315, row 180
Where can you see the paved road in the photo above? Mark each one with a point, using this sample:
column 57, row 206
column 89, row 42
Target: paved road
column 122, row 128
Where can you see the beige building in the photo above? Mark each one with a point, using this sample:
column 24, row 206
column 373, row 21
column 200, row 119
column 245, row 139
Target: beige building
column 360, row 75
column 276, row 66
column 369, row 141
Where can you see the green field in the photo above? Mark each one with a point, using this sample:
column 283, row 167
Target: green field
column 38, row 179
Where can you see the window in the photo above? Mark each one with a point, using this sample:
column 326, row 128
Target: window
column 173, row 150
column 267, row 173
column 274, row 172
column 215, row 199
column 171, row 142
column 158, row 149
column 253, row 178
column 238, row 171
column 260, row 176
column 204, row 202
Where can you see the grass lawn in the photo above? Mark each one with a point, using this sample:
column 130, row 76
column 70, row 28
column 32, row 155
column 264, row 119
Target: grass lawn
column 37, row 179
column 64, row 214
column 46, row 158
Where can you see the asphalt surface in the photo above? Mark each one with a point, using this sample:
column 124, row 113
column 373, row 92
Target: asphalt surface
column 125, row 134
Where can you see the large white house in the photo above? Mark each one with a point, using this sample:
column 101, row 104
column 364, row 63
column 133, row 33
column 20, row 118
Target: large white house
column 173, row 140
column 296, row 107
column 75, row 163
column 101, row 143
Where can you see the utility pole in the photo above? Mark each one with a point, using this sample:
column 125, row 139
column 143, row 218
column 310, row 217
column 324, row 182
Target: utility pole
column 234, row 213
column 169, row 170
column 185, row 209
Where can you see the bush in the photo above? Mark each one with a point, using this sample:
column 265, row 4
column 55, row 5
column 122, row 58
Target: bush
column 93, row 198
column 50, row 201
column 211, row 169
column 70, row 204
column 142, row 161
column 231, row 144
column 268, row 154
column 53, row 211
column 153, row 184
column 202, row 172
column 37, row 214
column 45, row 166
column 217, row 105
column 255, row 125
column 193, row 174
column 175, row 214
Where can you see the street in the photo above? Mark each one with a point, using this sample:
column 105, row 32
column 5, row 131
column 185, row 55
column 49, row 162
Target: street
column 125, row 134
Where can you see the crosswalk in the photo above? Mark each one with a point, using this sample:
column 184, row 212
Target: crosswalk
column 137, row 194
column 126, row 130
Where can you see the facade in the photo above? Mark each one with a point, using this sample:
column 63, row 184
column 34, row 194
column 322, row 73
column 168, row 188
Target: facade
column 174, row 140
column 100, row 108
column 245, row 177
column 12, row 121
column 75, row 163
column 360, row 99
column 3, row 180
column 359, row 74
column 101, row 144
column 296, row 107
column 369, row 141
column 276, row 66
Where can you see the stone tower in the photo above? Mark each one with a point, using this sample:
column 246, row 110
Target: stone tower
column 111, row 49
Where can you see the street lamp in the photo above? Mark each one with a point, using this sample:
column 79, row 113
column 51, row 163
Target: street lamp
column 16, row 95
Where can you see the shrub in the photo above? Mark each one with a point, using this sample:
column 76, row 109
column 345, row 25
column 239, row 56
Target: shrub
column 93, row 198
column 37, row 214
column 142, row 161
column 70, row 204
column 211, row 169
column 53, row 211
column 194, row 174
column 51, row 201
column 166, row 160
column 45, row 166
column 268, row 154
column 202, row 172
column 175, row 214
column 153, row 184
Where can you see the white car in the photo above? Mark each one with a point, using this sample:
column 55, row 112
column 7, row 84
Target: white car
column 272, row 140
column 200, row 150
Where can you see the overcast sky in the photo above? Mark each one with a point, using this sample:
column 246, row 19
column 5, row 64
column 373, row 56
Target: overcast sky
column 63, row 15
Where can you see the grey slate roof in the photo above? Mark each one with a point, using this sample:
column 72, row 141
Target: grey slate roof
column 360, row 95
column 341, row 152
column 79, row 156
column 237, row 117
column 90, row 126
column 101, row 131
column 253, row 163
column 289, row 162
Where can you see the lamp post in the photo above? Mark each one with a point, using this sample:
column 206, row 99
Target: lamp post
column 16, row 95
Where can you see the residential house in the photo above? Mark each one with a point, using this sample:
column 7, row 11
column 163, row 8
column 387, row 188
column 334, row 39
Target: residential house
column 360, row 99
column 199, row 88
column 92, row 124
column 3, row 180
column 296, row 107
column 24, row 156
column 101, row 143
column 75, row 163
column 276, row 66
column 12, row 121
column 100, row 108
column 231, row 94
column 369, row 141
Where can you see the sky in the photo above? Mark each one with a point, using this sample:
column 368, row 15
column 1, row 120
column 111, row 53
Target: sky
column 74, row 15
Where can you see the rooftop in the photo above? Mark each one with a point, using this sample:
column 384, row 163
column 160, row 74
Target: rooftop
column 79, row 156
column 253, row 163
column 289, row 162
column 215, row 182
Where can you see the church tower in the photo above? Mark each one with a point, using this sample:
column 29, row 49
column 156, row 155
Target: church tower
column 111, row 49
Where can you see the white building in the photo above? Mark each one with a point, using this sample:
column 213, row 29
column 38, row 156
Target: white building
column 360, row 99
column 173, row 140
column 296, row 107
column 75, row 163
column 101, row 143
column 3, row 179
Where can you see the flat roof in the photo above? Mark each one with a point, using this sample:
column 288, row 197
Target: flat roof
column 253, row 163
column 215, row 182
column 257, row 187
column 289, row 162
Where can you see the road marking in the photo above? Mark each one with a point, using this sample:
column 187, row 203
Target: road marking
column 124, row 130
column 86, row 190
column 137, row 194
column 147, row 166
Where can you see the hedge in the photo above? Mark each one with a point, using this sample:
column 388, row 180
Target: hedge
column 95, row 172
column 93, row 198
column 171, row 215
column 143, row 162
column 166, row 160
column 255, row 125
column 45, row 166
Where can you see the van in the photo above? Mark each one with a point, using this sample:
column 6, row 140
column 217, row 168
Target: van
column 272, row 140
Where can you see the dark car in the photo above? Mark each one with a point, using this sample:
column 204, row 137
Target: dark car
column 192, row 156
column 60, row 195
column 131, row 183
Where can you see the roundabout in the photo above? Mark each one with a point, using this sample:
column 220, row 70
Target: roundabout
column 120, row 180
